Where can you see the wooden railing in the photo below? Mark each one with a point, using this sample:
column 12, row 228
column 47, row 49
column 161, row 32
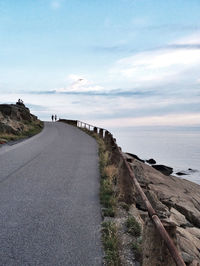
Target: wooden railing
column 108, row 137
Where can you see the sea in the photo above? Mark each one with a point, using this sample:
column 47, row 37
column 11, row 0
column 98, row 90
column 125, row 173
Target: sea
column 177, row 147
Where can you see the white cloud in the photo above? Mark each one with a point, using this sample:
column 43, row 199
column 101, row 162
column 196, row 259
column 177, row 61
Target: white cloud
column 159, row 66
column 190, row 119
column 79, row 83
column 191, row 39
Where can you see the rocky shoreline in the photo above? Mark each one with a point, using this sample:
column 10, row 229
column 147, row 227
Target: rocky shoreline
column 166, row 170
column 176, row 202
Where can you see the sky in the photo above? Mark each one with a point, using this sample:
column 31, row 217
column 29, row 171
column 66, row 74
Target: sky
column 113, row 63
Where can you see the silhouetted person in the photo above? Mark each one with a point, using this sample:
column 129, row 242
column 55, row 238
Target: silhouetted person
column 52, row 118
column 20, row 102
column 55, row 117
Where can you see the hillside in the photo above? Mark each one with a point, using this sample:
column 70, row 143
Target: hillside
column 16, row 122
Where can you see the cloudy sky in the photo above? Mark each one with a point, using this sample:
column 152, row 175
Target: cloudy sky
column 113, row 63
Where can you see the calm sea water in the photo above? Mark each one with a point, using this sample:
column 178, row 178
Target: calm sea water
column 175, row 147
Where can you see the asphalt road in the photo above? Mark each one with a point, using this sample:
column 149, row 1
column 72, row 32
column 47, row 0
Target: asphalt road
column 49, row 204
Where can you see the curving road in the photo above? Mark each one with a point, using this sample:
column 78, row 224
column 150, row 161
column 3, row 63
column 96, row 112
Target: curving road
column 49, row 205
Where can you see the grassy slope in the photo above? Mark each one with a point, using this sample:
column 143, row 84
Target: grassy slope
column 30, row 130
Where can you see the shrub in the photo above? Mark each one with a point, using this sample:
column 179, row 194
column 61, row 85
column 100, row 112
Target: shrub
column 125, row 206
column 133, row 226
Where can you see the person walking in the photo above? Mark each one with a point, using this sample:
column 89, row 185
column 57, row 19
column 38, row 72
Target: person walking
column 55, row 117
column 52, row 118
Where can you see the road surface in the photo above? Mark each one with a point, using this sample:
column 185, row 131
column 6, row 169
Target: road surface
column 49, row 204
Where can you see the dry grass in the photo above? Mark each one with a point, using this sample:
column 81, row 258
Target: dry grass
column 30, row 129
column 111, row 172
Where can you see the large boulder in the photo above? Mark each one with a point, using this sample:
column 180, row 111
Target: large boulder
column 181, row 173
column 166, row 170
column 151, row 161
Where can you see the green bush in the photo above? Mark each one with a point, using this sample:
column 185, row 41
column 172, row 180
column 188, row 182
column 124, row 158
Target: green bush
column 125, row 206
column 133, row 226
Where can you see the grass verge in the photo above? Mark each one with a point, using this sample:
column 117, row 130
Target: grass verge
column 110, row 243
column 108, row 200
column 108, row 173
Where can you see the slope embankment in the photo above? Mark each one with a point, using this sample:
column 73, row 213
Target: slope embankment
column 177, row 203
column 16, row 122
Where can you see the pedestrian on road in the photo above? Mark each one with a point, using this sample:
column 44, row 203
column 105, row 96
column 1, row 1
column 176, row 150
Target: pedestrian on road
column 55, row 117
column 52, row 118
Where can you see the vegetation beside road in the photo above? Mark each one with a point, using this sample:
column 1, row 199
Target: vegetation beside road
column 110, row 242
column 30, row 129
column 108, row 200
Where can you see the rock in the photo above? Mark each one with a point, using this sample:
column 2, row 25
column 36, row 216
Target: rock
column 187, row 172
column 194, row 231
column 154, row 252
column 195, row 263
column 177, row 218
column 188, row 243
column 151, row 161
column 161, row 209
column 135, row 157
column 129, row 160
column 16, row 112
column 187, row 257
column 15, row 118
column 181, row 173
column 192, row 170
column 166, row 170
column 182, row 198
column 7, row 129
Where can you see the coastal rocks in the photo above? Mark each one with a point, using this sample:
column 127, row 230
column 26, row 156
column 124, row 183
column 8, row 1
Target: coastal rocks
column 187, row 172
column 154, row 251
column 189, row 244
column 177, row 202
column 177, row 218
column 133, row 156
column 151, row 161
column 161, row 209
column 181, row 173
column 166, row 170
